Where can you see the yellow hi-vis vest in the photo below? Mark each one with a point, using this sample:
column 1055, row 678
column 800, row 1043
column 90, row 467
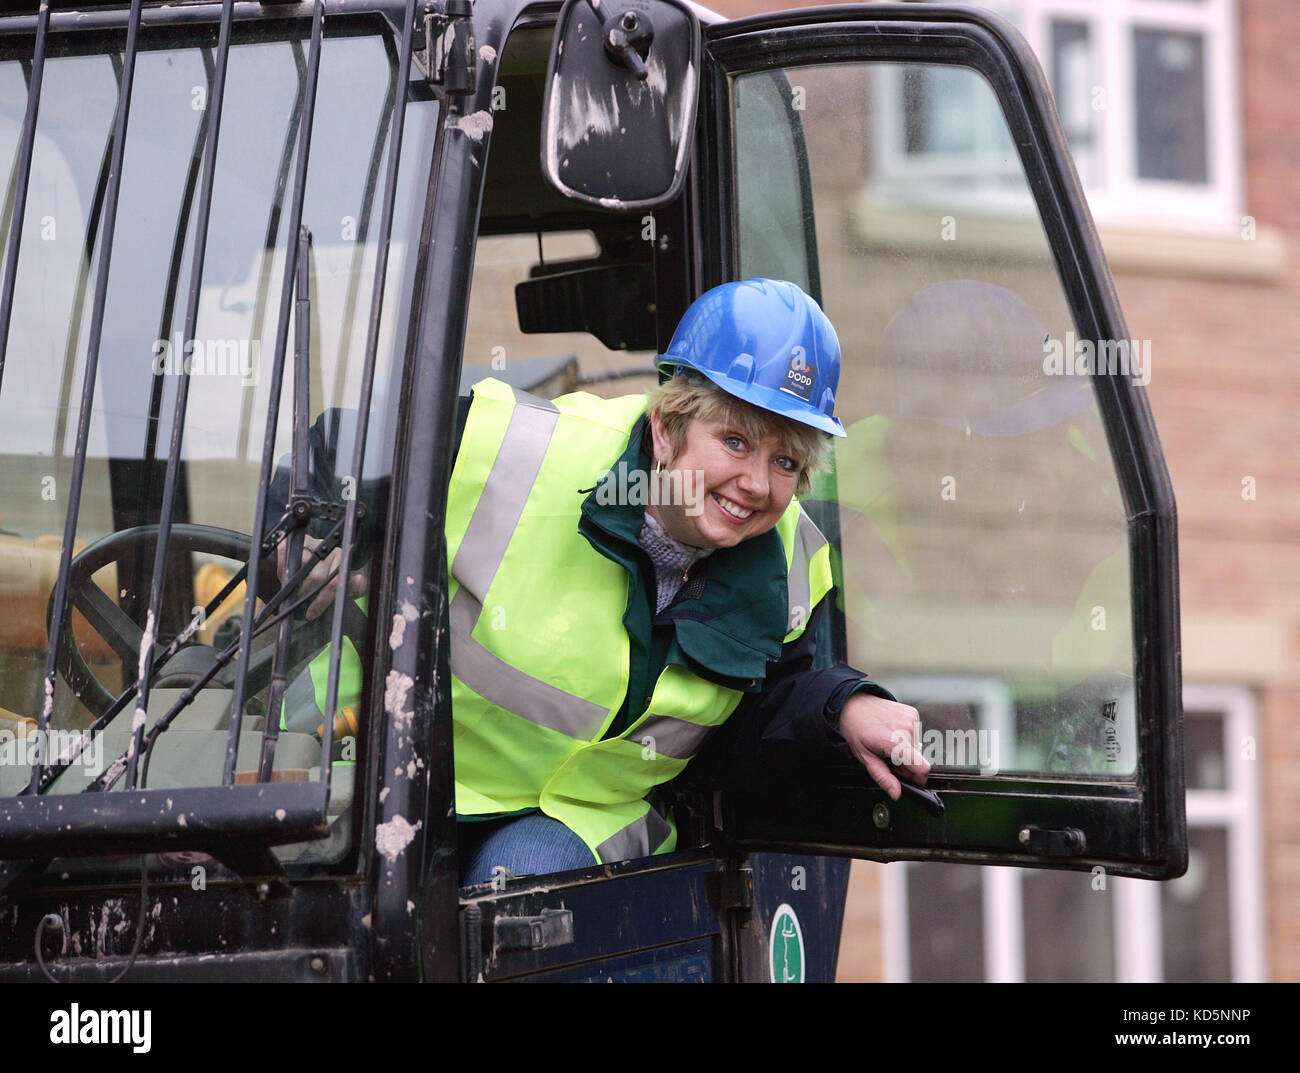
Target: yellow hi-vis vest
column 539, row 653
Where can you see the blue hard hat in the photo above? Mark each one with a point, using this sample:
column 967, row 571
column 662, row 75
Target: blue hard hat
column 765, row 342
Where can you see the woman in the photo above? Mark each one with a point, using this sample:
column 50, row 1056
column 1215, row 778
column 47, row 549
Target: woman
column 628, row 575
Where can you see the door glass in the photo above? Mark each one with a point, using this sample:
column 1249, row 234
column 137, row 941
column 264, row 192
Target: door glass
column 983, row 534
column 774, row 187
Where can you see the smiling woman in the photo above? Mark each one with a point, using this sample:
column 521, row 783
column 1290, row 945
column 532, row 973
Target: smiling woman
column 731, row 469
column 626, row 575
column 597, row 643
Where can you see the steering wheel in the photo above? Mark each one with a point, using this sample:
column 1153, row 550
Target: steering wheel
column 191, row 661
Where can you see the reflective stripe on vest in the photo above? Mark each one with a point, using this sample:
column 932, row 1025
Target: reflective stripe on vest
column 802, row 557
column 487, row 536
column 640, row 838
column 672, row 737
column 522, row 739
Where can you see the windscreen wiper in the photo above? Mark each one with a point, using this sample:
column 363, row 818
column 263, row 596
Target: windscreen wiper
column 272, row 230
column 299, row 467
column 294, row 229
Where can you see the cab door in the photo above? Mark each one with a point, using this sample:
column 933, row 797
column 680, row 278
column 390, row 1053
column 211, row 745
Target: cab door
column 1002, row 516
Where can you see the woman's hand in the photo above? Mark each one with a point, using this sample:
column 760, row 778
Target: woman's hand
column 359, row 584
column 881, row 732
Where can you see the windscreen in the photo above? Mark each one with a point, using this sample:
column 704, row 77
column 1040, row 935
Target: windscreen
column 207, row 236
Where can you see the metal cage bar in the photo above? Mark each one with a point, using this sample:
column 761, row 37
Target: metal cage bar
column 344, row 356
column 83, row 275
column 24, row 170
column 60, row 612
column 11, row 184
column 277, row 380
column 367, row 389
column 167, row 315
column 273, row 229
column 158, row 578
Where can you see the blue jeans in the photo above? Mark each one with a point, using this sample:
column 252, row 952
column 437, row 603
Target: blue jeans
column 526, row 845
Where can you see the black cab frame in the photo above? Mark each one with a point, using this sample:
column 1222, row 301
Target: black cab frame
column 238, row 234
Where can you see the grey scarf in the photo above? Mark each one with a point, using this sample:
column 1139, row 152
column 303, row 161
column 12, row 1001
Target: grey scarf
column 671, row 560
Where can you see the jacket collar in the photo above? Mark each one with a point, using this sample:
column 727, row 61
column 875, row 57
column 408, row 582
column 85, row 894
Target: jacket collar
column 737, row 623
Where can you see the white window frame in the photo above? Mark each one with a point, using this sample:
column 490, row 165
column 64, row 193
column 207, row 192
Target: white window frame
column 1138, row 936
column 1117, row 197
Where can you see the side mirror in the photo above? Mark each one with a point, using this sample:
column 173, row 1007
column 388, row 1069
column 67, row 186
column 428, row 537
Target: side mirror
column 619, row 114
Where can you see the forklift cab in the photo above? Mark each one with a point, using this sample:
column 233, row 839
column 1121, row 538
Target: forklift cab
column 254, row 256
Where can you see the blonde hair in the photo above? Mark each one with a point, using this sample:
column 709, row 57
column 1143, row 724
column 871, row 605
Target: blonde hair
column 690, row 397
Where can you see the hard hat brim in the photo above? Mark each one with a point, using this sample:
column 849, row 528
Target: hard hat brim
column 765, row 398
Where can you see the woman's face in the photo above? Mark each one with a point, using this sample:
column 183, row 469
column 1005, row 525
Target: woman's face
column 724, row 487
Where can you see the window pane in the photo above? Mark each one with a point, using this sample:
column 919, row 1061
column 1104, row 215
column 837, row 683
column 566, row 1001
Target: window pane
column 1169, row 103
column 983, row 532
column 1073, row 78
column 1194, row 908
column 1069, row 928
column 945, row 915
column 1203, row 751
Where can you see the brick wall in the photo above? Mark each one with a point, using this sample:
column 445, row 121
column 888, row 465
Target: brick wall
column 1225, row 391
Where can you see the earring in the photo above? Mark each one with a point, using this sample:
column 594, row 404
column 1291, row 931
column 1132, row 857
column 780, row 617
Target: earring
column 659, row 467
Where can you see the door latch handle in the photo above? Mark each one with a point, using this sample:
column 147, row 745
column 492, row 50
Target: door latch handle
column 554, row 927
column 1067, row 842
column 927, row 799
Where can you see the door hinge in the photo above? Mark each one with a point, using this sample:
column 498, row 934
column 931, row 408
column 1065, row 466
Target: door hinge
column 1066, row 842
column 444, row 46
column 734, row 888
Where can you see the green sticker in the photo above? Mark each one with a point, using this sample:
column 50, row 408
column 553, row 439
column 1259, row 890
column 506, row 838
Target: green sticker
column 785, row 947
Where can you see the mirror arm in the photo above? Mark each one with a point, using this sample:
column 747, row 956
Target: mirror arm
column 628, row 40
